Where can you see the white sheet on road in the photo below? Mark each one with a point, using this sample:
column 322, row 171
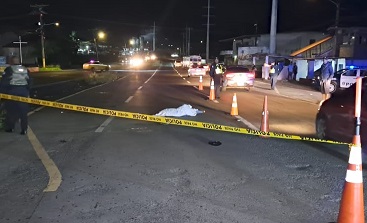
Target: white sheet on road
column 183, row 110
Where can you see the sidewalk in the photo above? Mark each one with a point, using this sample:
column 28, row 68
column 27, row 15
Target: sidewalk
column 290, row 89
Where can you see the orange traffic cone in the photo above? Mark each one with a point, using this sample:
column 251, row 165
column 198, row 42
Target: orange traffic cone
column 212, row 93
column 201, row 83
column 265, row 116
column 352, row 203
column 234, row 110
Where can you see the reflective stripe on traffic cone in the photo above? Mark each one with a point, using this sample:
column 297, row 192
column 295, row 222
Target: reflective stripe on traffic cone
column 352, row 203
column 212, row 93
column 265, row 116
column 234, row 110
column 201, row 83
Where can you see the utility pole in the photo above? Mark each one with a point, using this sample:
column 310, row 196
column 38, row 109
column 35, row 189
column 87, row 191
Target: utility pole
column 20, row 49
column 188, row 41
column 207, row 33
column 154, row 37
column 41, row 23
column 255, row 34
column 183, row 44
column 273, row 28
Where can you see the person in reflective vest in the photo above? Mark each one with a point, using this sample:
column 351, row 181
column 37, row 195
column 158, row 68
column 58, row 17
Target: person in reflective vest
column 216, row 73
column 15, row 81
column 273, row 72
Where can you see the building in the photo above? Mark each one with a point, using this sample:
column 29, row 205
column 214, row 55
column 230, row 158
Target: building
column 344, row 45
column 11, row 48
column 246, row 48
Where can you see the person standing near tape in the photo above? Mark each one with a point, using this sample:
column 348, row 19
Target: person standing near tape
column 274, row 72
column 327, row 73
column 216, row 73
column 15, row 81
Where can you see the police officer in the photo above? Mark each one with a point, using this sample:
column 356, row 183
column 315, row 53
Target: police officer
column 15, row 81
column 327, row 73
column 274, row 72
column 216, row 73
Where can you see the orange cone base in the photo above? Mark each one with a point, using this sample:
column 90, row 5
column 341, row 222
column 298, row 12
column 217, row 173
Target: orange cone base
column 212, row 96
column 234, row 111
column 264, row 127
column 352, row 204
column 200, row 87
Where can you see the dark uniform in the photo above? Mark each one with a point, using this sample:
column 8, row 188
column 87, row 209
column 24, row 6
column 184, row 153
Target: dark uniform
column 327, row 73
column 216, row 73
column 15, row 81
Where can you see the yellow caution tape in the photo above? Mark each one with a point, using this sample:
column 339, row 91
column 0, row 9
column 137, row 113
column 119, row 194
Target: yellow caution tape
column 164, row 120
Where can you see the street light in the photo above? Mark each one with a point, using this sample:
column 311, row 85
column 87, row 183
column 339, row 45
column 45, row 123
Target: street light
column 42, row 25
column 101, row 35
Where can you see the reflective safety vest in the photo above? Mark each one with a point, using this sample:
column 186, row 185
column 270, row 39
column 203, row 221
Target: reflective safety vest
column 218, row 69
column 272, row 70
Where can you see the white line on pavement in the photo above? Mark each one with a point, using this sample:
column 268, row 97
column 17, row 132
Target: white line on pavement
column 247, row 123
column 104, row 124
column 129, row 99
column 140, row 87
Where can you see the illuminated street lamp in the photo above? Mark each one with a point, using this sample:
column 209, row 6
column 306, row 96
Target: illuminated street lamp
column 101, row 35
column 41, row 29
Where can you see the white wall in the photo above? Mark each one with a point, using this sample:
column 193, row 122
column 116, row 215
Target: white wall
column 302, row 69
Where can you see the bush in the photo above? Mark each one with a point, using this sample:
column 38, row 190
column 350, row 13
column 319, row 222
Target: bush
column 51, row 68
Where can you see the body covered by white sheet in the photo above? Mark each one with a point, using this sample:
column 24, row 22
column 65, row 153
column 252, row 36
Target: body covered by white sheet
column 183, row 110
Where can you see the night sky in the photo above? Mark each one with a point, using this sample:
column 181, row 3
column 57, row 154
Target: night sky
column 126, row 18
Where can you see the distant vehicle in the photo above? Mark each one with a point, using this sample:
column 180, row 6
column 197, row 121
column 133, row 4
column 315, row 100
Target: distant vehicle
column 95, row 65
column 196, row 70
column 206, row 66
column 342, row 79
column 136, row 61
column 192, row 59
column 238, row 77
column 335, row 119
column 177, row 63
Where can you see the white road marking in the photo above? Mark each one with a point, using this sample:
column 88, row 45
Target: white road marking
column 109, row 119
column 54, row 174
column 104, row 124
column 129, row 99
column 247, row 123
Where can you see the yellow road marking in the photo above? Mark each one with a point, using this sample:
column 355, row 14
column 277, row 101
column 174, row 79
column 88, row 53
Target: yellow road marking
column 55, row 177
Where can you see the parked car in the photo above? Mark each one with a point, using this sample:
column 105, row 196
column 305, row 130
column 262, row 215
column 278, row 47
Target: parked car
column 95, row 65
column 177, row 63
column 342, row 79
column 335, row 119
column 206, row 66
column 196, row 70
column 239, row 77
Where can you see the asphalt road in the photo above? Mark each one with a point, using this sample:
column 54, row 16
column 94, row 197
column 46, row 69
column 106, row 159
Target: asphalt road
column 119, row 170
